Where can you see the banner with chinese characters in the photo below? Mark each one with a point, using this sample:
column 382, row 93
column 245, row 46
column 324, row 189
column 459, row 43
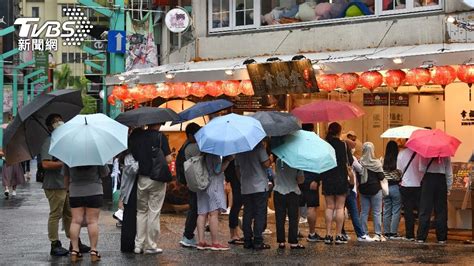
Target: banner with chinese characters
column 277, row 78
column 258, row 103
column 381, row 99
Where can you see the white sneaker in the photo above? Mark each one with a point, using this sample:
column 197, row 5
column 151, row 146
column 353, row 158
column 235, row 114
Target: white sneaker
column 379, row 238
column 270, row 211
column 153, row 251
column 138, row 251
column 365, row 238
column 118, row 215
column 303, row 220
column 267, row 232
column 13, row 192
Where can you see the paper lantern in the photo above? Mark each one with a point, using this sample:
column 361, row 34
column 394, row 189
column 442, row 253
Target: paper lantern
column 111, row 99
column 327, row 82
column 120, row 92
column 246, row 88
column 418, row 77
column 466, row 74
column 371, row 80
column 164, row 90
column 136, row 94
column 348, row 81
column 443, row 75
column 231, row 88
column 214, row 88
column 395, row 78
column 198, row 89
column 179, row 90
column 149, row 91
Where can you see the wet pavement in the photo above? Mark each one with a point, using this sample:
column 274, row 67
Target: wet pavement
column 24, row 241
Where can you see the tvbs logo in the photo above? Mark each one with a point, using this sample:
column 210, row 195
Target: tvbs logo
column 72, row 31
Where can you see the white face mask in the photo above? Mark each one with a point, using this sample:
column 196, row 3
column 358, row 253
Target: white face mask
column 58, row 124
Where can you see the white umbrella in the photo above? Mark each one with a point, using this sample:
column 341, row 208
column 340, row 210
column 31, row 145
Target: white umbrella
column 403, row 132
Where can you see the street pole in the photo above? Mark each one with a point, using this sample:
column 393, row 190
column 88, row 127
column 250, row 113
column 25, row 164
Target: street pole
column 25, row 83
column 15, row 84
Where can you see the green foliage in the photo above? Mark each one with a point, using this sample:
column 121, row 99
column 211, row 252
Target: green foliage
column 63, row 77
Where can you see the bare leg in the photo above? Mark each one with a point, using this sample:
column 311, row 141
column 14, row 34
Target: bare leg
column 340, row 201
column 311, row 216
column 330, row 206
column 201, row 224
column 92, row 216
column 214, row 226
column 75, row 229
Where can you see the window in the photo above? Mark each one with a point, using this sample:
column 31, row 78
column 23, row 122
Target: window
column 64, row 58
column 250, row 14
column 35, row 12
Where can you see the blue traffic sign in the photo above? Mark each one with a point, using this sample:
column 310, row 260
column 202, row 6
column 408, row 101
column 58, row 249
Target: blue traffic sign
column 116, row 41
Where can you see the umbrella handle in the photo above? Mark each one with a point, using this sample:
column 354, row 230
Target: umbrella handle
column 85, row 119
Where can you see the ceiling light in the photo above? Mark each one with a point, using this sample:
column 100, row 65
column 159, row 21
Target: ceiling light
column 170, row 75
column 398, row 60
column 229, row 72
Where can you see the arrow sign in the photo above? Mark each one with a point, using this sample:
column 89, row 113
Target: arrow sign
column 116, row 41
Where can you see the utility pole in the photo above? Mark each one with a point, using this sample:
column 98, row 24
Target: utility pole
column 15, row 84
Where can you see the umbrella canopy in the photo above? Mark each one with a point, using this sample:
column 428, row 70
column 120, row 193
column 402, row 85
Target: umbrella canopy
column 230, row 134
column 202, row 109
column 433, row 143
column 306, row 151
column 88, row 140
column 327, row 111
column 147, row 116
column 277, row 123
column 403, row 132
column 26, row 134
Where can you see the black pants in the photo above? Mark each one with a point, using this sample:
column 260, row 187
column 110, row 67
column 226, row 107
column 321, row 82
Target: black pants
column 26, row 166
column 129, row 222
column 434, row 194
column 191, row 217
column 255, row 210
column 286, row 204
column 236, row 203
column 411, row 202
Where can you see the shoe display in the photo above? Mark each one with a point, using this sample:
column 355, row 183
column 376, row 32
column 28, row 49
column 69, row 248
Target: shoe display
column 365, row 238
column 189, row 243
column 314, row 238
column 153, row 251
column 340, row 240
column 328, row 240
column 118, row 215
column 379, row 238
column 57, row 249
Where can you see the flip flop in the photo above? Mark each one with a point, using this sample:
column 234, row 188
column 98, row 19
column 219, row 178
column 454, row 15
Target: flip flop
column 238, row 241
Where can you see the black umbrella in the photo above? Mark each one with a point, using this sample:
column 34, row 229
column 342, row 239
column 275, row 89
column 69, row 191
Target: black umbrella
column 277, row 123
column 26, row 134
column 147, row 116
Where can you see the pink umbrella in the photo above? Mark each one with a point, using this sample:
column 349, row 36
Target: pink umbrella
column 327, row 111
column 433, row 143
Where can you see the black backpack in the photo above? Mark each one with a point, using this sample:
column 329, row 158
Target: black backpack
column 180, row 159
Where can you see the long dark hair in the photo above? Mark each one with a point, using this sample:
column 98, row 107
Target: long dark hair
column 334, row 130
column 390, row 158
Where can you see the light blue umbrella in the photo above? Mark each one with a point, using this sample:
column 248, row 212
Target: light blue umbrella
column 230, row 134
column 88, row 140
column 306, row 151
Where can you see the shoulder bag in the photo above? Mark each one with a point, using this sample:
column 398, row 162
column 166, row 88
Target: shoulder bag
column 159, row 170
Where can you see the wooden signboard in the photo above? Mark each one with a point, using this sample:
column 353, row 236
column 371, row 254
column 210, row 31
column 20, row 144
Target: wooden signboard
column 278, row 78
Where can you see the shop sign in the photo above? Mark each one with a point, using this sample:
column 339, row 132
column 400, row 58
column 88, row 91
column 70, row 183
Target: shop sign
column 177, row 20
column 381, row 99
column 278, row 78
column 461, row 175
column 266, row 102
column 467, row 118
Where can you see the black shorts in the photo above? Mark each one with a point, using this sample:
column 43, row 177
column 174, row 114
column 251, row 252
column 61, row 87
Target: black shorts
column 309, row 198
column 95, row 201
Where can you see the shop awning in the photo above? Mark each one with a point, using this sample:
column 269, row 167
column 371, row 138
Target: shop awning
column 331, row 62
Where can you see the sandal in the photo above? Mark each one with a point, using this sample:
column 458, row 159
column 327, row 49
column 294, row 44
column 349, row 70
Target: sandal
column 281, row 245
column 297, row 246
column 95, row 256
column 236, row 241
column 75, row 256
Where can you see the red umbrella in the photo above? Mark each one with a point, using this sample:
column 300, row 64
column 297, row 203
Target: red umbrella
column 433, row 143
column 327, row 111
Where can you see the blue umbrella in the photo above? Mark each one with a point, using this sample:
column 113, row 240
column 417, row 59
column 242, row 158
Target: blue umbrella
column 304, row 150
column 202, row 109
column 230, row 134
column 88, row 140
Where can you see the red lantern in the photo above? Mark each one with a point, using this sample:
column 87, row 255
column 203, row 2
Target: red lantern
column 395, row 78
column 164, row 90
column 231, row 88
column 111, row 99
column 136, row 94
column 327, row 82
column 371, row 80
column 149, row 91
column 198, row 89
column 120, row 92
column 418, row 77
column 443, row 75
column 246, row 88
column 348, row 81
column 179, row 90
column 214, row 88
column 466, row 74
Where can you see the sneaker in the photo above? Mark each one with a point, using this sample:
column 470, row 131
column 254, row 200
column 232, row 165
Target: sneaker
column 118, row 215
column 395, row 237
column 420, row 241
column 203, row 246
column 303, row 220
column 267, row 232
column 411, row 239
column 153, row 251
column 340, row 240
column 379, row 238
column 270, row 211
column 365, row 238
column 57, row 249
column 346, row 237
column 387, row 235
column 442, row 242
column 137, row 250
column 13, row 192
column 6, row 193
column 189, row 243
column 219, row 247
column 314, row 238
column 328, row 240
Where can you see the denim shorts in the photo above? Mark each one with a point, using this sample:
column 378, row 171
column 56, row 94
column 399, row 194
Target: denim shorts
column 95, row 201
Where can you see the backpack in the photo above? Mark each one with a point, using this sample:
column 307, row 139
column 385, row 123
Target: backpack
column 196, row 174
column 180, row 158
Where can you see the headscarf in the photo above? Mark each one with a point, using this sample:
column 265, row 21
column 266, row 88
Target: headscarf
column 369, row 162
